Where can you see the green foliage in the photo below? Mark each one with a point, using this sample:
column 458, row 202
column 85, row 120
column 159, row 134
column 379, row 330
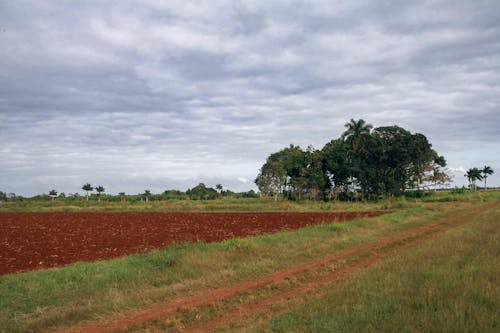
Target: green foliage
column 363, row 163
column 201, row 192
column 458, row 190
column 473, row 174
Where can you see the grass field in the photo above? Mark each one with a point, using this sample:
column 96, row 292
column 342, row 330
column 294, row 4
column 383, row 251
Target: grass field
column 450, row 284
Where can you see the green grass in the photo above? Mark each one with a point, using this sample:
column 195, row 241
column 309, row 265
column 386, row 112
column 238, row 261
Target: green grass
column 38, row 300
column 450, row 283
column 221, row 205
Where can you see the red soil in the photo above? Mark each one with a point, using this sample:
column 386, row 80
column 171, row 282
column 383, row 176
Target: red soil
column 31, row 241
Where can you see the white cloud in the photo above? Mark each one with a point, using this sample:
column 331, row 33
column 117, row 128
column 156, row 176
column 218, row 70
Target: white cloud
column 243, row 180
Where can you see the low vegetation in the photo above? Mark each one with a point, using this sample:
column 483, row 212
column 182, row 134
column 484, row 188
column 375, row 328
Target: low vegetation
column 38, row 300
column 448, row 285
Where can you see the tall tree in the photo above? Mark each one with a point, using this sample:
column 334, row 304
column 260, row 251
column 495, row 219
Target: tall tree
column 271, row 179
column 355, row 132
column 337, row 166
column 53, row 194
column 487, row 171
column 218, row 187
column 99, row 189
column 317, row 180
column 147, row 193
column 473, row 174
column 87, row 187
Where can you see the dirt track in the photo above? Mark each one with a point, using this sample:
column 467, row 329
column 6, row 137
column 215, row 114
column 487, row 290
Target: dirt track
column 31, row 241
column 328, row 269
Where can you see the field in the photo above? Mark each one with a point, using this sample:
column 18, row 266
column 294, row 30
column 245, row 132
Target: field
column 422, row 266
column 40, row 240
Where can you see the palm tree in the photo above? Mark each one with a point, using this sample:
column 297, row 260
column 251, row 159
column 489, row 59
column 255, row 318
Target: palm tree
column 147, row 193
column 53, row 194
column 472, row 175
column 87, row 187
column 354, row 136
column 355, row 132
column 487, row 171
column 218, row 187
column 99, row 190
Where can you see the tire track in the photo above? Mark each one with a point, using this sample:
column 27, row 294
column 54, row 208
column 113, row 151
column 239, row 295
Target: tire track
column 369, row 254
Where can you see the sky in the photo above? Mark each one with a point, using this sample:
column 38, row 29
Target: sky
column 157, row 95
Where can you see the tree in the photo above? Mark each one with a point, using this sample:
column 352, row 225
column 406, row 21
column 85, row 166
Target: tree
column 487, row 171
column 337, row 166
column 317, row 181
column 356, row 132
column 53, row 194
column 201, row 192
column 87, row 187
column 147, row 193
column 218, row 187
column 271, row 179
column 99, row 189
column 361, row 163
column 472, row 175
column 284, row 172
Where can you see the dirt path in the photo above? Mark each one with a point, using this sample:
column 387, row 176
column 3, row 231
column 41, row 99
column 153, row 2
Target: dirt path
column 306, row 277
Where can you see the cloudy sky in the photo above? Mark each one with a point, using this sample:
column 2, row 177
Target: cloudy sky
column 136, row 95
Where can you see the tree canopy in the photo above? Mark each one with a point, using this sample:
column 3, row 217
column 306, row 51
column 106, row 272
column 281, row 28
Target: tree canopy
column 365, row 162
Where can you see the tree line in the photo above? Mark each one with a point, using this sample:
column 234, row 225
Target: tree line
column 199, row 192
column 363, row 163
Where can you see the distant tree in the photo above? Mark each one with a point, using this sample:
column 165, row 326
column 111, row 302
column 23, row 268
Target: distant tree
column 317, row 181
column 473, row 174
column 3, row 196
column 337, row 166
column 439, row 177
column 200, row 192
column 87, row 187
column 218, row 187
column 53, row 194
column 99, row 189
column 272, row 178
column 122, row 196
column 487, row 171
column 355, row 133
column 147, row 194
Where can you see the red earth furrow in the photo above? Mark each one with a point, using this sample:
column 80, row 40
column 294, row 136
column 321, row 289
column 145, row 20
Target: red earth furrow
column 376, row 250
column 31, row 241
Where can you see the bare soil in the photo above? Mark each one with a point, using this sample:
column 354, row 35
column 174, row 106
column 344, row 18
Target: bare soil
column 328, row 269
column 30, row 241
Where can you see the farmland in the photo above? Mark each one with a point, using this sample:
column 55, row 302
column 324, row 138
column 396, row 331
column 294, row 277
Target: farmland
column 41, row 240
column 417, row 263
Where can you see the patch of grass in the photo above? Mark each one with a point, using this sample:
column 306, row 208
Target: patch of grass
column 38, row 300
column 448, row 284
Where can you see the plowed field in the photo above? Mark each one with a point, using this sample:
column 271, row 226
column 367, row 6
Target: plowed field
column 31, row 241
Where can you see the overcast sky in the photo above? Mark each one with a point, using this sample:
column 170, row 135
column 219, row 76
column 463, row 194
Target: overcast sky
column 136, row 95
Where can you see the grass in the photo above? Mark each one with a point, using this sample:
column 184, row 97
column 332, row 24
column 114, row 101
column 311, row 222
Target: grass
column 220, row 205
column 38, row 300
column 449, row 284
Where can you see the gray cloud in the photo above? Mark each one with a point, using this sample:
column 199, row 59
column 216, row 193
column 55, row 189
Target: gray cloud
column 160, row 95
